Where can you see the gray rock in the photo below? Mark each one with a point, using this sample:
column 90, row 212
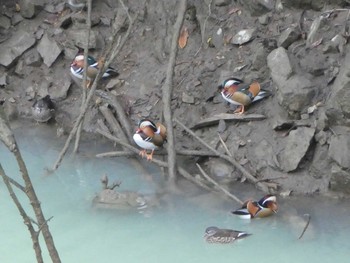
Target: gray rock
column 49, row 50
column 222, row 126
column 79, row 37
column 187, row 98
column 296, row 93
column 15, row 46
column 16, row 19
column 11, row 111
column 30, row 8
column 243, row 36
column 338, row 105
column 298, row 142
column 340, row 180
column 304, row 4
column 288, row 36
column 5, row 22
column 265, row 156
column 339, row 150
column 3, row 80
column 258, row 7
column 314, row 63
column 222, row 2
column 259, row 58
column 280, row 66
column 320, row 164
column 32, row 58
column 264, row 19
column 19, row 70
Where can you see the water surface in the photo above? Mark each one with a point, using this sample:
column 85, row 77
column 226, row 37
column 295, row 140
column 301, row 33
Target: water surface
column 170, row 232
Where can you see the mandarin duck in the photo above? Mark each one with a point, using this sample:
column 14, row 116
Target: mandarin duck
column 149, row 136
column 237, row 93
column 77, row 68
column 76, row 5
column 43, row 109
column 266, row 206
column 214, row 234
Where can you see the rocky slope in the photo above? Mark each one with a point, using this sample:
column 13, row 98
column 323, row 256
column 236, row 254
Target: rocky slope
column 298, row 48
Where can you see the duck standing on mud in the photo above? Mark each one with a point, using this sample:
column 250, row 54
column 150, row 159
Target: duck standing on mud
column 238, row 93
column 150, row 136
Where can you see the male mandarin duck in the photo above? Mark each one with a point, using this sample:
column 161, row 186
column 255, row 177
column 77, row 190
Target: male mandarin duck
column 266, row 206
column 236, row 92
column 149, row 136
column 43, row 109
column 214, row 234
column 77, row 68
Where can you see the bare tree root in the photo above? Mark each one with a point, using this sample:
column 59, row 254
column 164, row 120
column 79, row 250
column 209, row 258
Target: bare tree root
column 227, row 193
column 111, row 53
column 167, row 91
column 8, row 139
column 250, row 177
column 306, row 225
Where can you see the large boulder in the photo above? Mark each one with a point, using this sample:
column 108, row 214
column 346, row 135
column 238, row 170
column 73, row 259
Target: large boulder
column 49, row 50
column 298, row 142
column 30, row 8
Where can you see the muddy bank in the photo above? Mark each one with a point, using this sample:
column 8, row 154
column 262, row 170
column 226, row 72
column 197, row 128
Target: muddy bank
column 298, row 49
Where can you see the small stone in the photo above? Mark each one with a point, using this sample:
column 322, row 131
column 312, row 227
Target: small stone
column 12, row 100
column 115, row 83
column 286, row 193
column 221, row 126
column 243, row 161
column 243, row 36
column 186, row 98
column 241, row 143
column 30, row 92
column 264, row 19
column 60, row 132
column 304, row 116
column 20, row 68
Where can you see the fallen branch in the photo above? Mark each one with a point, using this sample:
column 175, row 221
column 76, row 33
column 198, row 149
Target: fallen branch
column 306, row 226
column 86, row 52
column 227, row 117
column 178, row 152
column 250, row 177
column 227, row 193
column 167, row 91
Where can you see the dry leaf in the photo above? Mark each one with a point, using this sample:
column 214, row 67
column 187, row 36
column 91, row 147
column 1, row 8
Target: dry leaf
column 183, row 37
column 18, row 8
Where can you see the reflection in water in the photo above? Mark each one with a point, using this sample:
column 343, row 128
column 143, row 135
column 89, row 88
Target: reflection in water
column 172, row 231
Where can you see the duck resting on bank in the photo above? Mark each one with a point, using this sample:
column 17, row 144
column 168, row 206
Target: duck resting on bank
column 77, row 68
column 150, row 136
column 43, row 109
column 238, row 93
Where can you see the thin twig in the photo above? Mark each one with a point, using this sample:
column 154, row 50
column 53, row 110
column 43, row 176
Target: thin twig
column 178, row 152
column 227, row 193
column 225, row 146
column 250, row 177
column 306, row 226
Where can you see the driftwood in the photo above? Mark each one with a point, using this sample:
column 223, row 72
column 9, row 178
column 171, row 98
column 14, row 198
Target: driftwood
column 227, row 117
column 250, row 177
column 306, row 225
column 167, row 91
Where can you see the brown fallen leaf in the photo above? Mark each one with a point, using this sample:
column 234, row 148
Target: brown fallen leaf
column 183, row 37
column 18, row 8
column 234, row 10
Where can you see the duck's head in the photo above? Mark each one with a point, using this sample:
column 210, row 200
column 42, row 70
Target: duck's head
column 229, row 82
column 78, row 61
column 147, row 123
column 210, row 231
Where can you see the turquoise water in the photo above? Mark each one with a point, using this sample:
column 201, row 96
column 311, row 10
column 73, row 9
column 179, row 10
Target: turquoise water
column 170, row 232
